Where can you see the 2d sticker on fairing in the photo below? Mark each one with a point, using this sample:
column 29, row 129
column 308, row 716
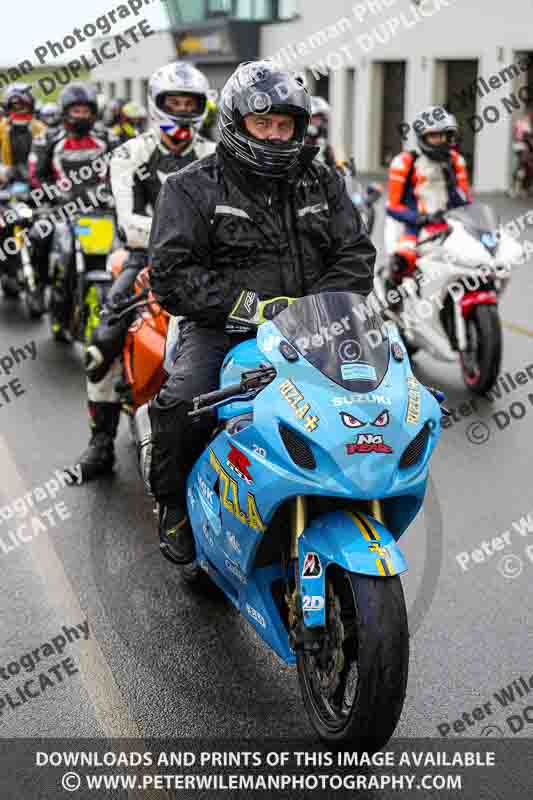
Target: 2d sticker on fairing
column 358, row 372
column 312, row 602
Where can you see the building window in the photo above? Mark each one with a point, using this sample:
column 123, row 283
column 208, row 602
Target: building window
column 392, row 110
column 218, row 8
column 287, row 9
column 262, row 9
column 180, row 13
column 112, row 89
column 244, row 9
column 127, row 89
column 190, row 11
column 145, row 91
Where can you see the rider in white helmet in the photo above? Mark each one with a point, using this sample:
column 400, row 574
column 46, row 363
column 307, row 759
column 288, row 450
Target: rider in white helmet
column 177, row 105
column 318, row 130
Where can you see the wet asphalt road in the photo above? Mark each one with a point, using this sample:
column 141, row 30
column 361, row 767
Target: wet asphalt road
column 162, row 660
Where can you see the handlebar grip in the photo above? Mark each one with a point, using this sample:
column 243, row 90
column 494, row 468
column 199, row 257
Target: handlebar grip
column 220, row 394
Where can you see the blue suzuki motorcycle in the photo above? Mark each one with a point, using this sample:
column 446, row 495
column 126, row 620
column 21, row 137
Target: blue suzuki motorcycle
column 317, row 466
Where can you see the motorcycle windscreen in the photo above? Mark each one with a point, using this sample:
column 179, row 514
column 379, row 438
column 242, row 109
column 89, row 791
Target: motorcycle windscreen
column 340, row 335
column 477, row 218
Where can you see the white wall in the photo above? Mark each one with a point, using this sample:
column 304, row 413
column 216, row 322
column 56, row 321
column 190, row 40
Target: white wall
column 140, row 60
column 346, row 32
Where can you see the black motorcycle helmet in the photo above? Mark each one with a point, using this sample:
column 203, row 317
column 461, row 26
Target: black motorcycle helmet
column 75, row 94
column 259, row 87
column 16, row 95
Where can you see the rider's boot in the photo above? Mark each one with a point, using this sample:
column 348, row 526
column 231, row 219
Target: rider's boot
column 10, row 286
column 36, row 302
column 99, row 457
column 176, row 540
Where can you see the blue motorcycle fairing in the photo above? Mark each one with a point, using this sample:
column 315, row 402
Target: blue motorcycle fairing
column 247, row 472
column 246, row 355
column 352, row 540
column 375, row 475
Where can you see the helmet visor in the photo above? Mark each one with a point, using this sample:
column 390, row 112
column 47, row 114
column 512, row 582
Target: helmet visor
column 182, row 107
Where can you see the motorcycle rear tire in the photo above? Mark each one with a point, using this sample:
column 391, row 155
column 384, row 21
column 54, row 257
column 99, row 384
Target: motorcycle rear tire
column 378, row 653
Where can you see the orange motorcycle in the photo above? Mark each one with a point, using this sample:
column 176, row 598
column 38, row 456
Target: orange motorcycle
column 145, row 348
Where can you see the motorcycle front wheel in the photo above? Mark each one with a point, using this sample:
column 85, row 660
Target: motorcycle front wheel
column 482, row 359
column 354, row 688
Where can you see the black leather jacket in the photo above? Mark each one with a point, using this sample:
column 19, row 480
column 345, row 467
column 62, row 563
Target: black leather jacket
column 218, row 230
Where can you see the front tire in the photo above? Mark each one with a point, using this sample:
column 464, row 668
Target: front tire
column 354, row 688
column 481, row 361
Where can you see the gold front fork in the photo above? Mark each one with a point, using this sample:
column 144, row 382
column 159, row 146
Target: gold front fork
column 298, row 525
column 298, row 522
column 376, row 510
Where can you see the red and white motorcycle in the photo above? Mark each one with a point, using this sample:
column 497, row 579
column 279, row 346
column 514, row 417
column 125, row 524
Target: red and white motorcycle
column 449, row 305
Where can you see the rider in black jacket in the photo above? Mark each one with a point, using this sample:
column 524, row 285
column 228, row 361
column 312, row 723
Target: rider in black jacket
column 259, row 215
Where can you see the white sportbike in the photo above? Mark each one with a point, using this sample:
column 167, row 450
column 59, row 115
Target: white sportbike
column 449, row 305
